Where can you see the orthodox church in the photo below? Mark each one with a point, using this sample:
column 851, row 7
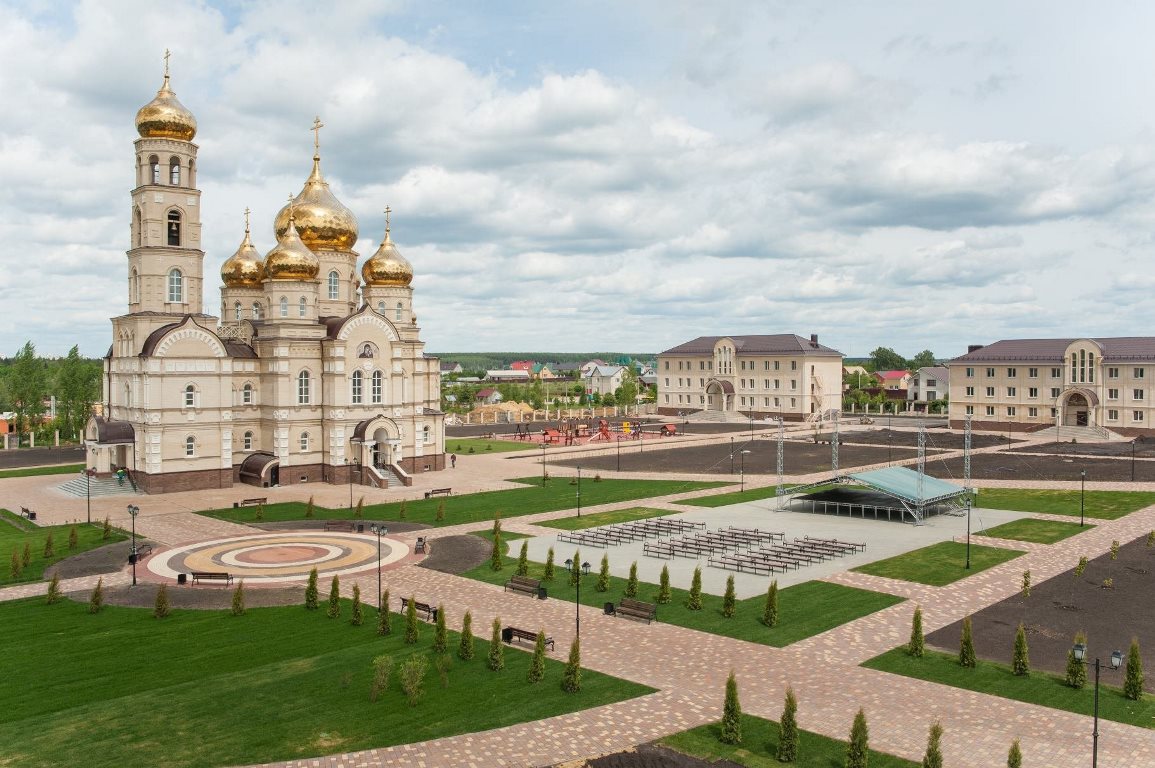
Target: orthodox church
column 315, row 370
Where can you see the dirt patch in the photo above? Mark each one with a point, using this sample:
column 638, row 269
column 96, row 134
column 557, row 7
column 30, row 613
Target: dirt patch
column 394, row 526
column 1144, row 448
column 197, row 598
column 935, row 439
column 1008, row 465
column 107, row 559
column 457, row 554
column 647, row 756
column 1064, row 605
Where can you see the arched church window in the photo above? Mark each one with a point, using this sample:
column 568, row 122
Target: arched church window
column 304, row 441
column 426, row 433
column 154, row 169
column 174, row 171
column 190, row 396
column 284, row 307
column 303, row 388
column 192, row 173
column 190, row 446
column 247, row 394
column 375, row 392
column 127, row 395
column 133, row 286
column 334, row 285
column 248, row 441
column 356, row 387
column 257, row 310
column 174, row 227
column 175, row 286
column 301, row 305
column 397, row 313
column 136, row 227
column 237, row 311
column 381, row 308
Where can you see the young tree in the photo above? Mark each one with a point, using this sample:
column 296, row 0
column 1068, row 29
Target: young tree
column 382, row 666
column 571, row 678
column 632, row 581
column 547, row 575
column 857, row 749
column 440, row 517
column 358, row 617
column 238, row 608
column 731, row 713
column 161, row 608
column 694, row 602
column 788, row 729
column 575, row 570
column 383, row 625
column 603, row 584
column 401, row 510
column 496, row 650
column 411, row 632
column 1015, row 756
column 334, row 611
column 917, row 642
column 440, row 634
column 966, row 651
column 933, row 756
column 770, row 611
column 77, row 387
column 96, row 602
column 72, row 538
column 310, row 509
column 1133, row 677
column 537, row 664
column 664, row 586
column 1020, row 662
column 54, row 593
column 412, row 676
column 465, row 647
column 1076, row 676
column 1150, row 539
column 1115, row 549
column 27, row 388
column 729, row 600
column 1025, row 588
column 496, row 561
column 311, row 591
column 49, row 547
column 26, row 557
column 1081, row 567
column 523, row 559
column 106, row 533
column 14, row 569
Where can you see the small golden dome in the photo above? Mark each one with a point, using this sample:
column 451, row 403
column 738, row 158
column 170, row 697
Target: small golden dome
column 165, row 117
column 323, row 223
column 244, row 268
column 290, row 259
column 387, row 266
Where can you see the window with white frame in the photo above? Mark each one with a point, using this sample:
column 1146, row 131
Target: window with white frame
column 1112, row 394
column 970, row 374
column 1136, row 394
column 302, row 307
column 1032, row 392
column 334, row 285
column 248, row 441
column 375, row 390
column 970, row 410
column 1056, row 373
column 1012, row 373
column 190, row 446
column 970, row 391
column 1032, row 373
column 990, row 391
column 303, row 383
column 247, row 394
column 356, row 394
column 990, row 410
column 1112, row 373
column 237, row 311
column 1054, row 391
column 990, row 373
column 175, row 286
column 1012, row 392
column 1136, row 415
column 284, row 306
column 1137, row 373
column 1032, row 412
column 257, row 310
column 1010, row 410
column 1112, row 414
column 397, row 313
column 304, row 442
column 190, row 396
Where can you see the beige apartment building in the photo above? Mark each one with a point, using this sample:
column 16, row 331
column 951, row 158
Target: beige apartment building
column 315, row 370
column 1029, row 384
column 770, row 376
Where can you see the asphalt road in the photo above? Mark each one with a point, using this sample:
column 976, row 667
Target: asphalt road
column 36, row 457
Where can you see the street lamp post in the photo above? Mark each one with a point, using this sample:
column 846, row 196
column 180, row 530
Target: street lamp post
column 1133, row 459
column 543, row 446
column 1080, row 653
column 742, row 471
column 579, row 491
column 89, row 472
column 133, row 511
column 968, row 566
column 731, row 455
column 1082, row 495
column 379, row 531
column 356, row 442
column 619, row 442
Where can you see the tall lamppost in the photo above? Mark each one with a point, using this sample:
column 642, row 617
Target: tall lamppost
column 968, row 566
column 585, row 569
column 742, row 471
column 619, row 442
column 379, row 531
column 579, row 491
column 350, row 466
column 133, row 511
column 89, row 472
column 356, row 442
column 543, row 447
column 1082, row 495
column 1133, row 458
column 731, row 455
column 1080, row 654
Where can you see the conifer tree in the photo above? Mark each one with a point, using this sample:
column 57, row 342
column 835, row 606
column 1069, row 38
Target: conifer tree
column 309, row 508
column 496, row 561
column 857, row 749
column 1026, row 585
column 496, row 659
column 694, row 602
column 1115, row 549
column 966, row 651
column 54, row 593
column 1015, row 756
column 465, row 647
column 161, row 608
column 401, row 510
column 106, row 532
column 731, row 713
column 440, row 634
column 729, row 600
column 1150, row 539
column 788, row 729
column 537, row 664
column 311, row 591
column 523, row 559
column 575, row 568
column 49, row 548
column 1020, row 662
column 411, row 632
column 571, row 678
column 632, row 581
column 73, row 538
column 933, row 756
column 1082, row 566
column 14, row 569
column 547, row 574
column 357, row 619
column 334, row 611
column 26, row 557
column 603, row 584
column 96, row 602
column 770, row 611
column 917, row 644
column 359, row 512
column 1076, row 676
column 664, row 595
column 383, row 625
column 1133, row 677
column 440, row 511
column 238, row 608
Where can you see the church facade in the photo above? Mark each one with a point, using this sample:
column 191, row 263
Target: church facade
column 314, row 371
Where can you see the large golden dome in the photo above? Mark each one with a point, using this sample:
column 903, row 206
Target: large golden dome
column 165, row 117
column 323, row 223
column 290, row 259
column 387, row 266
column 244, row 268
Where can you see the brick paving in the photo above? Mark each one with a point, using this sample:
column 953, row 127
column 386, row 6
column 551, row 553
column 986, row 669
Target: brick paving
column 688, row 668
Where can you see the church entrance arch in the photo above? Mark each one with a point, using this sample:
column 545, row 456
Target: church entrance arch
column 719, row 395
column 380, row 442
column 1077, row 408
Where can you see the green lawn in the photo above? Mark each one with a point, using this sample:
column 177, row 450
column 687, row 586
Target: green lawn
column 472, row 507
column 760, row 745
column 939, row 564
column 1038, row 688
column 13, row 540
column 738, row 497
column 604, row 518
column 203, row 688
column 464, row 446
column 804, row 609
column 1037, row 531
column 1106, row 505
column 60, row 469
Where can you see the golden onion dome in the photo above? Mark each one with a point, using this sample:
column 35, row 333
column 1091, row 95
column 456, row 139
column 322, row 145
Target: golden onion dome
column 323, row 223
column 244, row 268
column 387, row 266
column 290, row 259
column 165, row 117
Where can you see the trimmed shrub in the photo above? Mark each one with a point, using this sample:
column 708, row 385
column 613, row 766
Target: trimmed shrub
column 465, row 647
column 106, row 532
column 966, row 650
column 729, row 600
column 357, row 619
column 26, row 556
column 731, row 713
column 523, row 559
column 547, row 575
column 96, row 602
column 1076, row 676
column 54, row 593
column 1133, row 677
column 632, row 582
column 788, row 729
column 15, row 569
column 440, row 517
column 238, row 608
column 309, row 509
column 603, row 584
column 1020, row 662
column 49, row 547
column 412, row 677
column 382, row 667
column 72, row 538
column 537, row 664
column 1114, row 549
column 334, row 611
column 917, row 643
column 411, row 632
column 857, row 749
column 770, row 610
column 1082, row 566
column 496, row 659
column 571, row 678
column 383, row 625
column 161, row 608
column 664, row 595
column 311, row 596
column 1025, row 587
column 401, row 510
column 1015, row 755
column 694, row 602
column 575, row 569
column 443, row 663
column 440, row 634
column 359, row 510
column 933, row 756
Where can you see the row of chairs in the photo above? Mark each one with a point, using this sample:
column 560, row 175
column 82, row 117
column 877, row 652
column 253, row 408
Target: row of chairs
column 624, row 533
column 708, row 543
column 781, row 557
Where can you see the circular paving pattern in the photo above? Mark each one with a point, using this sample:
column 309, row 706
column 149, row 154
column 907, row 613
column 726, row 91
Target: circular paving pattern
column 274, row 558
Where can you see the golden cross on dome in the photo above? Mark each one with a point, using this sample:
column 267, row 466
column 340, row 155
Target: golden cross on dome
column 317, row 126
column 292, row 208
column 246, row 219
column 387, row 209
column 167, row 54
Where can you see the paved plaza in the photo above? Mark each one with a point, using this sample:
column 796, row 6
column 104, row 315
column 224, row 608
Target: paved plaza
column 687, row 668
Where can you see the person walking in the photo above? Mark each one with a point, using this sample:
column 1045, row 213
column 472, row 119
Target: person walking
column 453, row 461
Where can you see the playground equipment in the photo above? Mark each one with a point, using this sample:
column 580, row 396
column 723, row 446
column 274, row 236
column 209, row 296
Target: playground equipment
column 603, row 432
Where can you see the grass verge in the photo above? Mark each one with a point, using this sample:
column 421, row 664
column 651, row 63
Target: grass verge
column 14, row 540
column 604, row 518
column 1036, row 531
column 464, row 446
column 1037, row 688
column 939, row 564
column 195, row 684
column 1105, row 505
column 59, row 469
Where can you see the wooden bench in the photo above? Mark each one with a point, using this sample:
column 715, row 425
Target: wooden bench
column 198, row 576
column 144, row 550
column 525, row 585
column 509, row 634
column 430, row 611
column 439, row 492
column 338, row 525
column 250, row 502
column 419, row 545
column 28, row 513
column 636, row 609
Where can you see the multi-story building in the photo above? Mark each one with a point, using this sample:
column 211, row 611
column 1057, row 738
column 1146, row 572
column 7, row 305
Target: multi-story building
column 309, row 375
column 927, row 385
column 1029, row 384
column 780, row 375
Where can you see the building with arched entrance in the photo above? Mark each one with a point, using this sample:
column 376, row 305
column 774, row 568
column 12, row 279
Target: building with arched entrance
column 1101, row 385
column 315, row 370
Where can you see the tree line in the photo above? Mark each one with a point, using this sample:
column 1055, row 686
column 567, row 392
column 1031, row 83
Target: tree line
column 28, row 381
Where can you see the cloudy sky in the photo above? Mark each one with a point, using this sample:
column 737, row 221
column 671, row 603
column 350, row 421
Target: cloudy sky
column 572, row 176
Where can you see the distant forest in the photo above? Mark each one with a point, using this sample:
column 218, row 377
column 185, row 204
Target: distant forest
column 491, row 361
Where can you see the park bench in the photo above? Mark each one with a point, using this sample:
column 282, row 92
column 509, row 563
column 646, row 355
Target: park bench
column 28, row 513
column 525, row 585
column 439, row 492
column 419, row 545
column 144, row 550
column 250, row 502
column 430, row 611
column 509, row 634
column 338, row 525
column 636, row 609
column 198, row 576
